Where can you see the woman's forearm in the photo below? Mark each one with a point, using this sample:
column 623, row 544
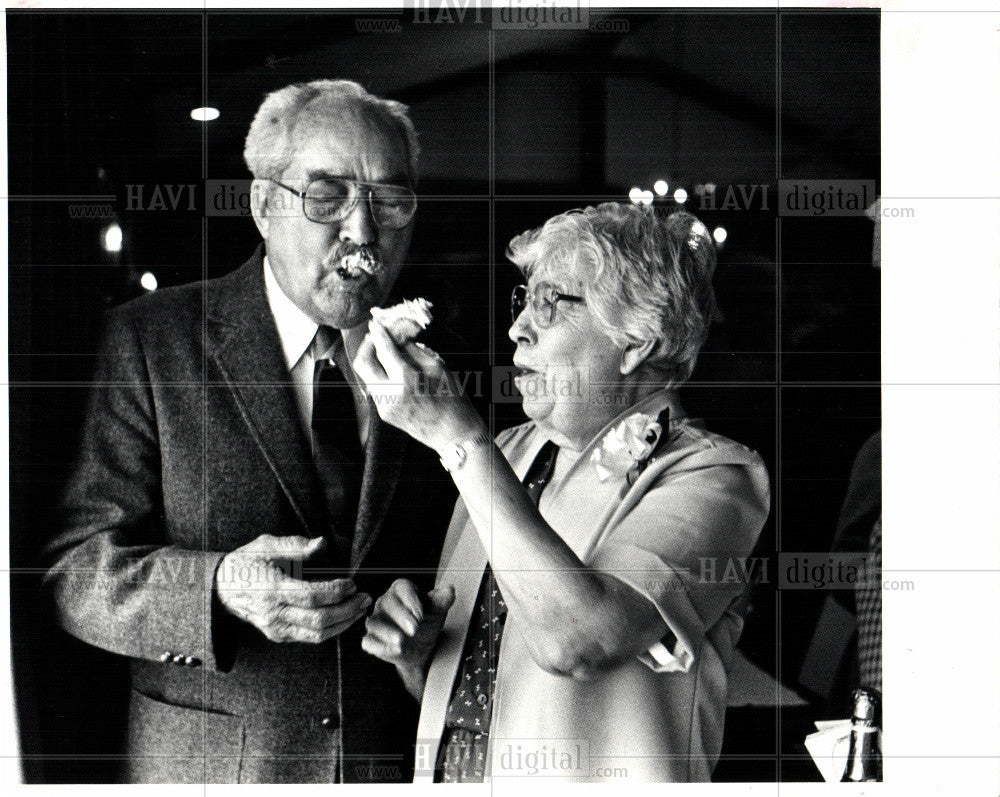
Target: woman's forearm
column 579, row 618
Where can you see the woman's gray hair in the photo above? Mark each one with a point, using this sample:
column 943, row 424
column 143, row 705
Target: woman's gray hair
column 270, row 144
column 651, row 277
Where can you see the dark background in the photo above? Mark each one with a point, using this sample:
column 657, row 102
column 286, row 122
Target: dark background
column 515, row 126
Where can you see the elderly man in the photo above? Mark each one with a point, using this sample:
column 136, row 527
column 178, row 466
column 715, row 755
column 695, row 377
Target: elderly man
column 237, row 498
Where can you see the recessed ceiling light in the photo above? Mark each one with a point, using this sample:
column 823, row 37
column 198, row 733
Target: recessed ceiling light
column 148, row 281
column 205, row 114
column 113, row 238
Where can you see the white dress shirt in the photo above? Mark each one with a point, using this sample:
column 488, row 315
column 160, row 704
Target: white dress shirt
column 297, row 331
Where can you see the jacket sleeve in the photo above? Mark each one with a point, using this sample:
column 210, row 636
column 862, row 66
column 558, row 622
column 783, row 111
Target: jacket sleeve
column 683, row 544
column 116, row 580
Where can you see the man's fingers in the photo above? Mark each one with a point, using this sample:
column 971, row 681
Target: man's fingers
column 339, row 589
column 309, row 636
column 321, row 618
column 341, row 612
column 317, row 619
column 287, row 623
column 338, row 629
column 314, row 594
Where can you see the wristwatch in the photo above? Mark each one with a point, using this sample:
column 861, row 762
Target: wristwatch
column 454, row 455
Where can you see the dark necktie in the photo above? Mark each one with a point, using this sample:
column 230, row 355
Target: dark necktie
column 337, row 449
column 470, row 710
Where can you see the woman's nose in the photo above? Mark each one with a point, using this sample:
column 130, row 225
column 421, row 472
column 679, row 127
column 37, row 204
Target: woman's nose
column 522, row 330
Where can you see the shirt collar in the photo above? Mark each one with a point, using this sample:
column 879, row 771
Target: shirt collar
column 296, row 330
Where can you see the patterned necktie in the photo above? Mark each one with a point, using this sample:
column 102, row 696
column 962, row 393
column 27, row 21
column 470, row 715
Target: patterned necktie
column 337, row 449
column 470, row 710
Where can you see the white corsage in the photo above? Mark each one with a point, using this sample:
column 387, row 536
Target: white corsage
column 626, row 447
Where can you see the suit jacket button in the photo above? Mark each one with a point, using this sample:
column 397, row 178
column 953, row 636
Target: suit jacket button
column 191, row 661
column 179, row 659
column 328, row 722
column 167, row 655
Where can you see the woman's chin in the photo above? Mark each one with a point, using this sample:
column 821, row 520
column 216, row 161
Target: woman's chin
column 536, row 409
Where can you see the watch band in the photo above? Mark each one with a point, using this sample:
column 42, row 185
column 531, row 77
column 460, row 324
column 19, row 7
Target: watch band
column 454, row 456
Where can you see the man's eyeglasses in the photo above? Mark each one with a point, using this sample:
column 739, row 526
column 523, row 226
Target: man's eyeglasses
column 331, row 200
column 543, row 300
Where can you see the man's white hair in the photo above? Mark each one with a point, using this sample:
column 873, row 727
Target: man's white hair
column 270, row 143
column 650, row 276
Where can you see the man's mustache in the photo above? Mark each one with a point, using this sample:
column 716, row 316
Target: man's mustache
column 350, row 261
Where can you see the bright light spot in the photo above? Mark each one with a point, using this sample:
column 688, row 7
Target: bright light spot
column 205, row 114
column 720, row 235
column 635, row 195
column 113, row 238
column 148, row 281
column 661, row 187
column 680, row 196
column 646, row 197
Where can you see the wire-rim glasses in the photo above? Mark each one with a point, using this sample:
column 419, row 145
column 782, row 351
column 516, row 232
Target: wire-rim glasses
column 543, row 300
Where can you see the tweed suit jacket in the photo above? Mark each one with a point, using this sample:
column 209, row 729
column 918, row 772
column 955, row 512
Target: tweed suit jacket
column 192, row 447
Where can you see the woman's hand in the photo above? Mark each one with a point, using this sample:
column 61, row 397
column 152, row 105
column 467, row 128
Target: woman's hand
column 403, row 630
column 414, row 391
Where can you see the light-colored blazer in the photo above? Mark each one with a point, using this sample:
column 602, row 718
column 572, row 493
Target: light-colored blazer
column 698, row 506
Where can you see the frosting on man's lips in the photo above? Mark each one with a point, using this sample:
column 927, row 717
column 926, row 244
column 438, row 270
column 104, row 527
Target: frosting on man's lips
column 357, row 263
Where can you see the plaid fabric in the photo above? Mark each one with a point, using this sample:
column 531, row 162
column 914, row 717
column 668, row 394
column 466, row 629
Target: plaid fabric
column 868, row 595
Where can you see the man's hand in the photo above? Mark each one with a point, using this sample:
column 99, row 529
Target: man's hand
column 285, row 609
column 403, row 629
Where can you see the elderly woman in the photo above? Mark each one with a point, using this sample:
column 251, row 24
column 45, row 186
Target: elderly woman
column 571, row 633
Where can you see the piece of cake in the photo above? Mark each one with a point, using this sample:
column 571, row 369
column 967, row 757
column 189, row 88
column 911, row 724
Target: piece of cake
column 404, row 321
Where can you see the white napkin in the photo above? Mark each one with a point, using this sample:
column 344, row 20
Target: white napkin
column 829, row 745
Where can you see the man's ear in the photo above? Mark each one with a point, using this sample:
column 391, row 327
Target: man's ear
column 258, row 205
column 635, row 354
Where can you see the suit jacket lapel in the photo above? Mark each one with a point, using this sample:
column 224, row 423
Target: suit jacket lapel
column 243, row 341
column 384, row 454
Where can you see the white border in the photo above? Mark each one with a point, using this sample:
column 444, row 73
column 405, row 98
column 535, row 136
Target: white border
column 941, row 363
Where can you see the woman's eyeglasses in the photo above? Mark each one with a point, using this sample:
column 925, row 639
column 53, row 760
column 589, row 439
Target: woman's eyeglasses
column 543, row 300
column 331, row 200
